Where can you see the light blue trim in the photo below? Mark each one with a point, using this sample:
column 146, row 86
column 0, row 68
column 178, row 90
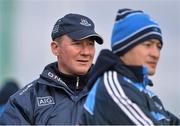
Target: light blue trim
column 145, row 75
column 90, row 101
column 150, row 93
column 158, row 116
column 140, row 86
column 2, row 108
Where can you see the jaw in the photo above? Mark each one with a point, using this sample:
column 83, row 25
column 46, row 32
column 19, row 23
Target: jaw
column 82, row 67
column 151, row 70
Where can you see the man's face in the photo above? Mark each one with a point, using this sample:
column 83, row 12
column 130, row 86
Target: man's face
column 146, row 53
column 74, row 57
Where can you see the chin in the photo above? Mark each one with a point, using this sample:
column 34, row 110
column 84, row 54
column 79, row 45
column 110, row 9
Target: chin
column 151, row 73
column 82, row 72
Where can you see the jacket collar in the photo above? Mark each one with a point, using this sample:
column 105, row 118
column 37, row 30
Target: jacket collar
column 111, row 62
column 58, row 79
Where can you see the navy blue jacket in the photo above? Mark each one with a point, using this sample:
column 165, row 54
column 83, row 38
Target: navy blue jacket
column 51, row 99
column 119, row 95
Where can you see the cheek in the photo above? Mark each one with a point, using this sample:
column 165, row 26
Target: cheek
column 63, row 54
column 93, row 53
column 140, row 59
column 137, row 59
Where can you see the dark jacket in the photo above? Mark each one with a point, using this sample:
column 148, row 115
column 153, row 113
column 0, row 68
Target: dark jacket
column 51, row 99
column 119, row 95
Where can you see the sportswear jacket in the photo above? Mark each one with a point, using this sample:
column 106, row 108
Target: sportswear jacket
column 54, row 98
column 119, row 95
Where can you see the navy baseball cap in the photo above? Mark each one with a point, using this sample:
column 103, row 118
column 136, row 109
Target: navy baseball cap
column 77, row 27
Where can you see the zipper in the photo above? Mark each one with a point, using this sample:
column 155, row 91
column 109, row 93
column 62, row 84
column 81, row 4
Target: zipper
column 77, row 83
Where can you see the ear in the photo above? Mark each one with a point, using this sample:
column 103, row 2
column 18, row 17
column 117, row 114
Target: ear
column 54, row 48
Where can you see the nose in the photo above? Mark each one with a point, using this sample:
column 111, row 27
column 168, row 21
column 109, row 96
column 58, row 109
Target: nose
column 155, row 52
column 85, row 48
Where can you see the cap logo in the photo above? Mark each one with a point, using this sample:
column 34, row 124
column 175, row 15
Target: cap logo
column 85, row 22
column 56, row 27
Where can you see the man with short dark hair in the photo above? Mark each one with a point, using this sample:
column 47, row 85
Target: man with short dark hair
column 58, row 95
column 119, row 80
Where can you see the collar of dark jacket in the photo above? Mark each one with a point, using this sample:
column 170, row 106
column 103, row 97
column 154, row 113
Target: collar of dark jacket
column 52, row 74
column 108, row 61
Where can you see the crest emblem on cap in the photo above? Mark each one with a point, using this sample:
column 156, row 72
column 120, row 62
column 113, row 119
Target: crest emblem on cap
column 85, row 22
column 56, row 27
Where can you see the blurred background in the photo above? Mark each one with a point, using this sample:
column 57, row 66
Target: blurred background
column 25, row 36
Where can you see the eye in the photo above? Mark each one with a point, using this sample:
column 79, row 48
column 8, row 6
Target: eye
column 159, row 46
column 147, row 44
column 91, row 43
column 76, row 42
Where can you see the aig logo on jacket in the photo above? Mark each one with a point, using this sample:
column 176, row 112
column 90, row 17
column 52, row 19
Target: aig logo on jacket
column 43, row 101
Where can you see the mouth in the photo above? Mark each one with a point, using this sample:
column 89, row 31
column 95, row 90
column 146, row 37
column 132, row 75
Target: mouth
column 152, row 64
column 83, row 61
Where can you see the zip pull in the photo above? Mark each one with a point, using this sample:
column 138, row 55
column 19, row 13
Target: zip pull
column 77, row 83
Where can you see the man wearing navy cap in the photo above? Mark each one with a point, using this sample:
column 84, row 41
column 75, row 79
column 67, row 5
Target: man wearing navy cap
column 58, row 95
column 119, row 80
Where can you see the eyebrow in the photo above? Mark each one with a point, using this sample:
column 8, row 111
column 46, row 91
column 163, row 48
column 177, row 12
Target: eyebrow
column 153, row 40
